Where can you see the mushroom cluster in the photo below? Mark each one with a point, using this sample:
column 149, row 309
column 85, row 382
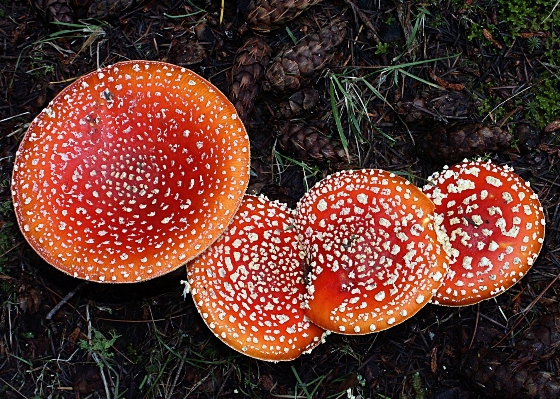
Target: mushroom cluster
column 130, row 172
column 141, row 167
column 372, row 248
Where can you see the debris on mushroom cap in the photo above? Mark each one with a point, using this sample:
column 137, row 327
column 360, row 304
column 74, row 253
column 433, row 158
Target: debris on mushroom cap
column 130, row 172
column 373, row 250
column 248, row 286
column 495, row 224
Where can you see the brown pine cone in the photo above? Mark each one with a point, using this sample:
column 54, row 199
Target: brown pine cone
column 541, row 340
column 298, row 103
column 248, row 69
column 455, row 143
column 56, row 10
column 436, row 105
column 494, row 374
column 266, row 15
column 307, row 142
column 102, row 9
column 295, row 64
column 186, row 52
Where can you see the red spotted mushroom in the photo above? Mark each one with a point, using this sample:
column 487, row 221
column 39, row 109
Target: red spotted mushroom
column 495, row 224
column 372, row 248
column 130, row 172
column 248, row 286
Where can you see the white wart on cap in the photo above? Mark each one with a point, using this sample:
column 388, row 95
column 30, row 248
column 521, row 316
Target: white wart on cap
column 130, row 172
column 495, row 224
column 248, row 286
column 372, row 248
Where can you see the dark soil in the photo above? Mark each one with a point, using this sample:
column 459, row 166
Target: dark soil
column 502, row 348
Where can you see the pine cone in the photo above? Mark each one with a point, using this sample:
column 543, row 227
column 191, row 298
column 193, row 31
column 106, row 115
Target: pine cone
column 297, row 103
column 437, row 105
column 102, row 9
column 56, row 10
column 541, row 340
column 266, row 15
column 186, row 52
column 453, row 144
column 248, row 69
column 293, row 65
column 494, row 374
column 307, row 142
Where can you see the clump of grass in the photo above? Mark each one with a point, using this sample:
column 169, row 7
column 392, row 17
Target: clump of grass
column 311, row 173
column 308, row 389
column 351, row 98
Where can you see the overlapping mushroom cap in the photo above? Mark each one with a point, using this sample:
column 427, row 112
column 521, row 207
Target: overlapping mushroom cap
column 248, row 286
column 130, row 172
column 372, row 248
column 495, row 224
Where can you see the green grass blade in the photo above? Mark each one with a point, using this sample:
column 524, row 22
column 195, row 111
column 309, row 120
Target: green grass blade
column 337, row 121
column 418, row 78
column 351, row 107
column 390, row 68
column 292, row 37
column 377, row 93
column 302, row 165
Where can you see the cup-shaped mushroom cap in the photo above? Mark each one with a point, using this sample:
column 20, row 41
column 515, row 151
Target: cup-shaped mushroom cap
column 130, row 172
column 248, row 286
column 372, row 249
column 495, row 224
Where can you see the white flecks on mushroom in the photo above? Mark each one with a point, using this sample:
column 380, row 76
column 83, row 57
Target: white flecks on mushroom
column 495, row 228
column 107, row 167
column 371, row 244
column 256, row 299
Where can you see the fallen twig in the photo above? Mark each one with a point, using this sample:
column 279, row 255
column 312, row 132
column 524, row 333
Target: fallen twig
column 65, row 300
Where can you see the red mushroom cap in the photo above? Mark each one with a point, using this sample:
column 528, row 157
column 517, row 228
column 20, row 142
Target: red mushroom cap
column 130, row 172
column 372, row 248
column 248, row 286
column 495, row 224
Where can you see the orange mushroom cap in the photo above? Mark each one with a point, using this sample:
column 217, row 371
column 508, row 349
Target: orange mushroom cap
column 372, row 248
column 495, row 224
column 249, row 286
column 130, row 172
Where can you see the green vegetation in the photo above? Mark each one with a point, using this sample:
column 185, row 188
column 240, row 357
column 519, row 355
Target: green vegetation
column 6, row 208
column 514, row 17
column 99, row 343
column 311, row 173
column 531, row 25
column 351, row 95
column 543, row 107
column 39, row 66
column 8, row 231
column 381, row 48
column 522, row 15
column 308, row 389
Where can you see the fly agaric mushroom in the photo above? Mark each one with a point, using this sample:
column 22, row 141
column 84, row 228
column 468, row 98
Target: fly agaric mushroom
column 130, row 172
column 372, row 248
column 248, row 286
column 495, row 224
